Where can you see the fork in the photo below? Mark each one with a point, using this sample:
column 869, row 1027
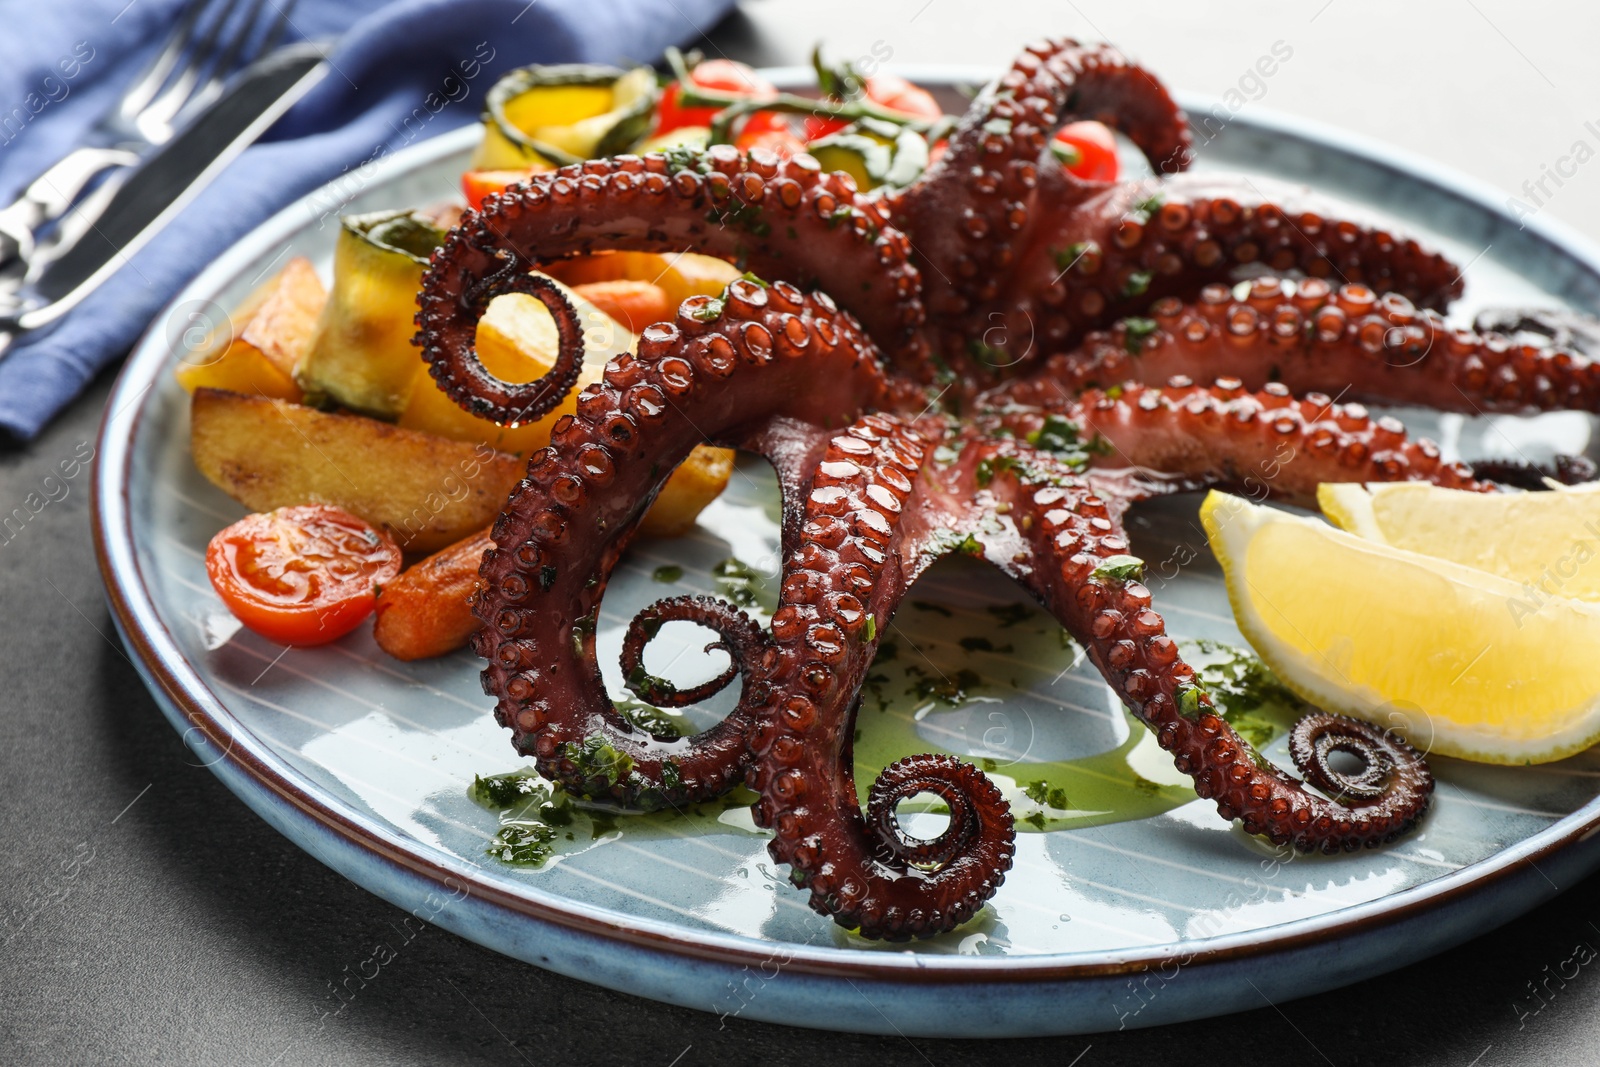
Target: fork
column 183, row 77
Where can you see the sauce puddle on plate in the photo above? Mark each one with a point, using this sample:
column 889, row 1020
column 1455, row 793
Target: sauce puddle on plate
column 989, row 686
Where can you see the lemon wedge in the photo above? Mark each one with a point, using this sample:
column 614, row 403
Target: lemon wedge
column 1549, row 542
column 1455, row 659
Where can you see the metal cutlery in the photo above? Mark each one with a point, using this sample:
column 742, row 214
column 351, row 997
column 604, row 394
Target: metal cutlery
column 208, row 43
column 161, row 186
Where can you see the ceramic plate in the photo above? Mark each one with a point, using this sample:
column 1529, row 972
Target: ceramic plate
column 1131, row 903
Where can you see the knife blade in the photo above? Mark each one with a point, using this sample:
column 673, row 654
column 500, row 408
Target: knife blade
column 163, row 185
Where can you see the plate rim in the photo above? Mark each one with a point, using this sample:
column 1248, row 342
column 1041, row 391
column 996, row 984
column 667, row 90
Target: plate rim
column 131, row 602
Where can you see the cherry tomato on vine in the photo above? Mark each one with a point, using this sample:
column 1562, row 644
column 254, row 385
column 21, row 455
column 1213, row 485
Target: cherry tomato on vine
column 721, row 76
column 889, row 91
column 1087, row 149
column 302, row 575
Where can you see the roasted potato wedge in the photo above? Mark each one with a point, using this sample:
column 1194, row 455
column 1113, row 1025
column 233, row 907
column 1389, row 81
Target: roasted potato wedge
column 283, row 328
column 698, row 481
column 278, row 320
column 517, row 341
column 424, row 491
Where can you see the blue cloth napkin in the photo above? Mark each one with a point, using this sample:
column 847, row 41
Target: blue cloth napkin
column 62, row 64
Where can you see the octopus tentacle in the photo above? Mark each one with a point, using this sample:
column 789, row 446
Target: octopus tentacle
column 1090, row 262
column 844, row 578
column 968, row 211
column 1317, row 736
column 1520, row 474
column 489, row 396
column 1070, row 536
column 970, row 796
column 1026, row 271
column 1266, row 441
column 569, row 520
column 1350, row 341
column 1285, row 444
column 737, row 635
column 783, row 218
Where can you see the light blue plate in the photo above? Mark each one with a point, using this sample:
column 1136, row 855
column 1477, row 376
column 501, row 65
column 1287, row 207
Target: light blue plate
column 364, row 761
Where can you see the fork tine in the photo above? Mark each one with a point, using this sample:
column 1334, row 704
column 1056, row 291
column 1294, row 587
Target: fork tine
column 235, row 48
column 275, row 31
column 160, row 112
column 156, row 72
column 238, row 52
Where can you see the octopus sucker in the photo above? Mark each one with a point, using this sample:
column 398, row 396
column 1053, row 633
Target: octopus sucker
column 998, row 360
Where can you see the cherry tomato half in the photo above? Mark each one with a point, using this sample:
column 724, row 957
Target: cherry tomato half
column 721, row 76
column 478, row 185
column 303, row 575
column 889, row 91
column 1087, row 149
column 782, row 143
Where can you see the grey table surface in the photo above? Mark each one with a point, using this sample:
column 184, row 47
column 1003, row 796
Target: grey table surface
column 146, row 916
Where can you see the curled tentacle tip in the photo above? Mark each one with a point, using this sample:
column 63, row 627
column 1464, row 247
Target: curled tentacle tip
column 1388, row 768
column 737, row 635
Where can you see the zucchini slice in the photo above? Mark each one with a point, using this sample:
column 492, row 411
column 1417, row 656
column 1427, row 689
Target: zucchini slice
column 362, row 357
column 546, row 116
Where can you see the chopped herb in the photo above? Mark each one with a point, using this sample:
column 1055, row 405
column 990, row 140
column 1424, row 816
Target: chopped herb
column 1189, row 703
column 1036, row 820
column 1010, row 615
column 986, row 354
column 595, row 758
column 1150, row 204
column 667, row 574
column 1136, row 332
column 522, row 844
column 684, row 157
column 1137, row 284
column 671, row 777
column 652, row 720
column 504, row 790
column 950, row 689
column 750, row 276
column 946, row 541
column 1069, row 155
column 1115, row 392
column 990, row 466
column 1057, row 435
column 1122, row 568
column 1240, row 682
column 1068, row 257
column 710, row 311
column 983, row 644
column 1042, row 793
column 738, row 581
column 1253, row 730
column 872, row 627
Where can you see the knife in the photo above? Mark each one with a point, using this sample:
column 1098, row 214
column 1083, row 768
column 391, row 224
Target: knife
column 162, row 186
